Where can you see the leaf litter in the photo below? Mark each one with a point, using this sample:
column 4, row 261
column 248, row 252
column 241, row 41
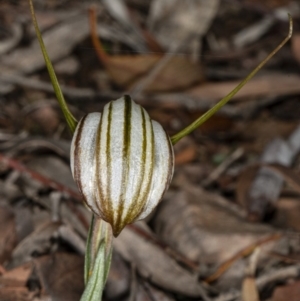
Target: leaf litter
column 201, row 242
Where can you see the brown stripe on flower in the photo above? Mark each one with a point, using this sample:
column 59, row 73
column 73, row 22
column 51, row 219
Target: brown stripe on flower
column 100, row 202
column 108, row 200
column 77, row 153
column 119, row 223
column 140, row 198
column 170, row 163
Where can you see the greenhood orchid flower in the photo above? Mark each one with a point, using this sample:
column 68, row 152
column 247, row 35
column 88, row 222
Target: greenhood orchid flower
column 122, row 162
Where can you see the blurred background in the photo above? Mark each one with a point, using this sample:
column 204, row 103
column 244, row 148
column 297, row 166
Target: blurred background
column 228, row 228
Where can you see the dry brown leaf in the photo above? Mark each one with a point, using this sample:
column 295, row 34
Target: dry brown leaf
column 46, row 117
column 290, row 292
column 296, row 46
column 187, row 155
column 244, row 183
column 153, row 263
column 179, row 73
column 240, row 254
column 49, row 166
column 16, row 294
column 17, row 277
column 287, row 214
column 61, row 276
column 196, row 224
column 38, row 242
column 126, row 70
column 147, row 292
column 215, row 124
column 271, row 85
column 259, row 132
column 118, row 281
column 8, row 234
column 13, row 284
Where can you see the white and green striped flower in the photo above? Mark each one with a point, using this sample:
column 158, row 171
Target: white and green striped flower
column 122, row 162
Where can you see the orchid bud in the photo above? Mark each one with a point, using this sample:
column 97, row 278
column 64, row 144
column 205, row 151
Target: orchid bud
column 122, row 162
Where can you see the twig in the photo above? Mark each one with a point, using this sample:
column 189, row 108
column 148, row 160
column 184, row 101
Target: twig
column 217, row 172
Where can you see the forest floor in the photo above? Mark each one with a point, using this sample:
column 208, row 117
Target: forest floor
column 228, row 228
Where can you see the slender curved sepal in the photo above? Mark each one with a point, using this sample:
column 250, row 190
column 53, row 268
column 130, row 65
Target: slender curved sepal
column 72, row 122
column 223, row 101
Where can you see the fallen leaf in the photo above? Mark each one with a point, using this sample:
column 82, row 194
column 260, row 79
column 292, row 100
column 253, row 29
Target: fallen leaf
column 186, row 155
column 61, row 276
column 49, row 166
column 16, row 294
column 199, row 224
column 240, row 254
column 296, row 46
column 147, row 292
column 287, row 214
column 45, row 117
column 272, row 85
column 178, row 73
column 155, row 264
column 290, row 292
column 37, row 243
column 185, row 151
column 118, row 281
column 13, row 284
column 127, row 70
column 17, row 277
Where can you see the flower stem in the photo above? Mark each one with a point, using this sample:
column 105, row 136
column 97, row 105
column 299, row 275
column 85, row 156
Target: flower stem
column 97, row 259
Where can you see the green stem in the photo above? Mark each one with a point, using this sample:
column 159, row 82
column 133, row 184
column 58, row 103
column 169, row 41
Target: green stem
column 98, row 257
column 223, row 101
column 95, row 285
column 71, row 120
